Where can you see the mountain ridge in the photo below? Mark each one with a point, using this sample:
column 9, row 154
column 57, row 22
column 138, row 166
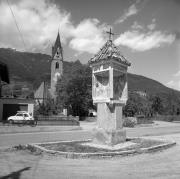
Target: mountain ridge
column 34, row 67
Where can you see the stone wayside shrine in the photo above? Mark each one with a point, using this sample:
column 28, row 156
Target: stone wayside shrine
column 109, row 92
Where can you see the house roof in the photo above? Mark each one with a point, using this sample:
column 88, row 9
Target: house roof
column 107, row 52
column 4, row 74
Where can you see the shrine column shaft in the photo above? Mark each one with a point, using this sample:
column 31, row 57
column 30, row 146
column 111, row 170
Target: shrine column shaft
column 109, row 116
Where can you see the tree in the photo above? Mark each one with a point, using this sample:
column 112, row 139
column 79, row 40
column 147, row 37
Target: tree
column 48, row 107
column 130, row 109
column 157, row 106
column 74, row 92
column 138, row 105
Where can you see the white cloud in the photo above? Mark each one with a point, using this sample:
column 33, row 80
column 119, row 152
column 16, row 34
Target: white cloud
column 170, row 83
column 136, row 26
column 152, row 25
column 139, row 26
column 39, row 22
column 144, row 41
column 88, row 36
column 132, row 10
column 175, row 84
column 177, row 74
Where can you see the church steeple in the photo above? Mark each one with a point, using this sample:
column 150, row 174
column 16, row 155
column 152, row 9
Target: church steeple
column 56, row 65
column 57, row 51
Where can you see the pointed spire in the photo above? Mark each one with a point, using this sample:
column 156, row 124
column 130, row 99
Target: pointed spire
column 58, row 41
column 57, row 45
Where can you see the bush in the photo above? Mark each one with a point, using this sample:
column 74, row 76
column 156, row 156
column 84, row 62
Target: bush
column 130, row 122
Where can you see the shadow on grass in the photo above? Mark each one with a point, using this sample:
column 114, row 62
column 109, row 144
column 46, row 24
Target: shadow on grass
column 15, row 175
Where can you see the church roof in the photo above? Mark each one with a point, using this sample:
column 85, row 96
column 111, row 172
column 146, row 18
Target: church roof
column 41, row 92
column 58, row 41
column 107, row 52
column 56, row 45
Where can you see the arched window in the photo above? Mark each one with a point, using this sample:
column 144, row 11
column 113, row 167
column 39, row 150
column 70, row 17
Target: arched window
column 57, row 65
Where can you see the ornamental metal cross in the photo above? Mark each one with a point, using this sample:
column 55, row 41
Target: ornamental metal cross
column 110, row 34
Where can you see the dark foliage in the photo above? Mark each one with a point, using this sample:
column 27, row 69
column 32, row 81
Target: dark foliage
column 74, row 91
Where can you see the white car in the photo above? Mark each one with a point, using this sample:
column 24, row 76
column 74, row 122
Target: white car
column 21, row 117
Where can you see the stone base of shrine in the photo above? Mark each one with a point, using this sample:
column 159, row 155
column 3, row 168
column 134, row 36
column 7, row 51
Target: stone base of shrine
column 100, row 136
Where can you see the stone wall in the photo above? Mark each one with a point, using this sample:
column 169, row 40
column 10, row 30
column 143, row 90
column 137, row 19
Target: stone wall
column 91, row 119
column 58, row 120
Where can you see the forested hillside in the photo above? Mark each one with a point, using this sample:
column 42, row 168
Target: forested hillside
column 32, row 68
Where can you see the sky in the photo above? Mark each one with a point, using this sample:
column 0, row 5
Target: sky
column 147, row 32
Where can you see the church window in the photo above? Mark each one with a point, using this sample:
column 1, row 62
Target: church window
column 57, row 65
column 58, row 50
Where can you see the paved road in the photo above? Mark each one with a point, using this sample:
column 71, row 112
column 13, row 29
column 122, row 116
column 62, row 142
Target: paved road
column 159, row 165
column 22, row 164
column 24, row 138
column 8, row 129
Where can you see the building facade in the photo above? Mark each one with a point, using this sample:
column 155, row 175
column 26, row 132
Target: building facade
column 10, row 106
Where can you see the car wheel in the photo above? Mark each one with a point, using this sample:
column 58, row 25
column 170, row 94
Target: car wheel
column 33, row 123
column 20, row 124
column 11, row 121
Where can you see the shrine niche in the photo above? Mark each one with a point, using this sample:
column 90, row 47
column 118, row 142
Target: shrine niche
column 120, row 87
column 101, row 86
column 109, row 82
column 109, row 92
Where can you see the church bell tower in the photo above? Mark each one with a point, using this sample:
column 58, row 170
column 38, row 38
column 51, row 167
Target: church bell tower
column 56, row 65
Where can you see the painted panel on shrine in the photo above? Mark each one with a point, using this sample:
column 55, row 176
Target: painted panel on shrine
column 120, row 87
column 101, row 87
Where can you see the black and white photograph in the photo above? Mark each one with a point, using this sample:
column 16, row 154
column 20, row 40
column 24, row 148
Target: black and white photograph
column 89, row 89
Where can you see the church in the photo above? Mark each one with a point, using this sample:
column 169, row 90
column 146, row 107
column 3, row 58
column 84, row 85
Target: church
column 43, row 93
